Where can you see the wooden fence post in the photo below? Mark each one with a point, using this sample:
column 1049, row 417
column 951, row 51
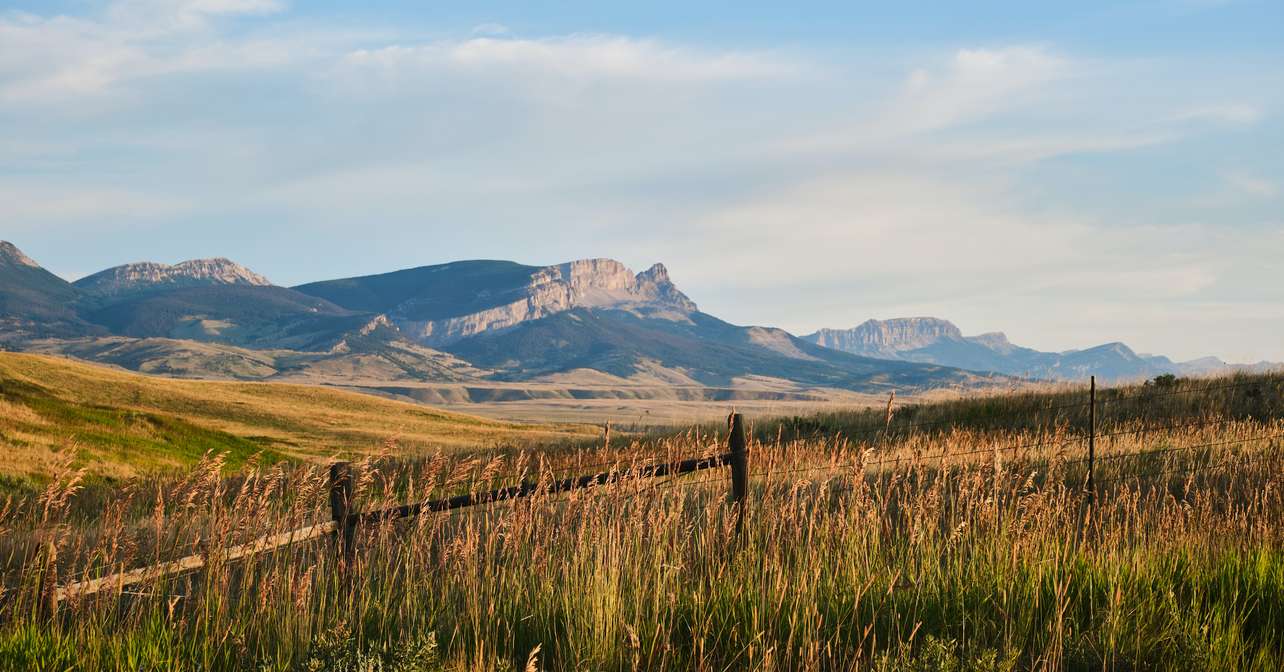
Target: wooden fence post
column 48, row 597
column 345, row 528
column 739, row 468
column 1092, row 439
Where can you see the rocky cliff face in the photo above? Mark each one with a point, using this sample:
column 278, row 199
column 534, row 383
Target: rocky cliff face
column 654, row 285
column 11, row 256
column 146, row 276
column 885, row 338
column 587, row 283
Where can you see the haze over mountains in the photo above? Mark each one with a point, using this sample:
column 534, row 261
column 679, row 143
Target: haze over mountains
column 587, row 325
column 938, row 341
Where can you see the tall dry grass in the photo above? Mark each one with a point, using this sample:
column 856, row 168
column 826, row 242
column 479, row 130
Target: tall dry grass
column 973, row 548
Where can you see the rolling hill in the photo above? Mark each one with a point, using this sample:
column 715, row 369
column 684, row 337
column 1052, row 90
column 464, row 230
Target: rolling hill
column 119, row 423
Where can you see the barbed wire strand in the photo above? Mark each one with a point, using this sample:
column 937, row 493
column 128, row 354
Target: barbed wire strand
column 1200, row 468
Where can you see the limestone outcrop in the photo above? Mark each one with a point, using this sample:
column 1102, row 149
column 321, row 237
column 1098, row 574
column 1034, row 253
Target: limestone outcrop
column 586, row 283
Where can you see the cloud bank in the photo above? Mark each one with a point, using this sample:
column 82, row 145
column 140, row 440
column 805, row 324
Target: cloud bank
column 1064, row 196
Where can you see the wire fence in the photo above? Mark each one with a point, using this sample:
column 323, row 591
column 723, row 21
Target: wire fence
column 628, row 478
column 905, row 434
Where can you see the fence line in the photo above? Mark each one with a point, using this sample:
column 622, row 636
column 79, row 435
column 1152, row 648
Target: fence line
column 1178, row 449
column 345, row 520
column 1196, row 469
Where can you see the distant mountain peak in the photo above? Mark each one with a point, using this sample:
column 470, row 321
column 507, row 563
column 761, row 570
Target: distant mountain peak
column 657, row 273
column 994, row 340
column 885, row 338
column 608, row 283
column 439, row 305
column 655, row 285
column 34, row 303
column 10, row 254
column 936, row 341
column 145, row 276
column 997, row 338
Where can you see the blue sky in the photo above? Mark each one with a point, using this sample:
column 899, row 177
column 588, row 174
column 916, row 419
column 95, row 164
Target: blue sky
column 1070, row 176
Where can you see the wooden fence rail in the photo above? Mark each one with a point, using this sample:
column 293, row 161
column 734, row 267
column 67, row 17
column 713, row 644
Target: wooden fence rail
column 192, row 562
column 345, row 520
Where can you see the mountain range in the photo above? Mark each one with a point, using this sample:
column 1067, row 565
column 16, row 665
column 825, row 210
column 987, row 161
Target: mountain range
column 937, row 341
column 592, row 326
column 592, row 322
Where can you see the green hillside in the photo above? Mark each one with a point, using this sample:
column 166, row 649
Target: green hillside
column 120, row 424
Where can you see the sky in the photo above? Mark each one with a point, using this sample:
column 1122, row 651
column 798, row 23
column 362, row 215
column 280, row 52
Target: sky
column 1071, row 176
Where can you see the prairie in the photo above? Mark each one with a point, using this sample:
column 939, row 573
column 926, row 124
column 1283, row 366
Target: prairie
column 958, row 535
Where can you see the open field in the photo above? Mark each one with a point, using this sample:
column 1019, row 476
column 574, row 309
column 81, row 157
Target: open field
column 642, row 414
column 119, row 424
column 960, row 536
column 576, row 399
column 581, row 396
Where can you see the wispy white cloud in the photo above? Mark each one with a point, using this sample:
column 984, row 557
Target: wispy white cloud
column 861, row 245
column 1251, row 185
column 974, row 84
column 781, row 186
column 1228, row 113
column 166, row 15
column 1236, row 188
column 970, row 88
column 61, row 59
column 576, row 56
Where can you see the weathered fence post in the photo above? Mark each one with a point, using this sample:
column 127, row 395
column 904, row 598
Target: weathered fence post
column 1092, row 439
column 345, row 528
column 739, row 468
column 48, row 598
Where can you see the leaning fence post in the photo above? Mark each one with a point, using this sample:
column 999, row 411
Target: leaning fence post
column 345, row 528
column 739, row 468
